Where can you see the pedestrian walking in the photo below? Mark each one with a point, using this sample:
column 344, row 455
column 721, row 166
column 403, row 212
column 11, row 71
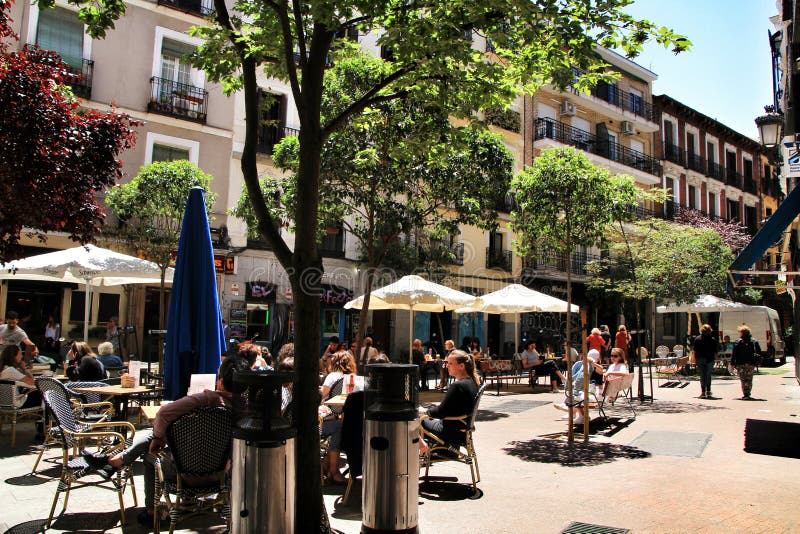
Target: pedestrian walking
column 745, row 351
column 705, row 347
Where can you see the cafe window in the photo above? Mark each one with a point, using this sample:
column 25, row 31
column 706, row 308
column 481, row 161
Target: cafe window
column 169, row 153
column 109, row 307
column 76, row 308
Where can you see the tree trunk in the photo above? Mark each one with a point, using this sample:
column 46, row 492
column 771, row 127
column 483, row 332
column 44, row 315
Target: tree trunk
column 362, row 317
column 570, row 400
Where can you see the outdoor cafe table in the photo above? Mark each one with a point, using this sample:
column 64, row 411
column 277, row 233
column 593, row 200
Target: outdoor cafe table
column 150, row 412
column 118, row 391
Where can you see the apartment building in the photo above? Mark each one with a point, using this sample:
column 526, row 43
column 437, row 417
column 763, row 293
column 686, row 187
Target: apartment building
column 708, row 166
column 139, row 69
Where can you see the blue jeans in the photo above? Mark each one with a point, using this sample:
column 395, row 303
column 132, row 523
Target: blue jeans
column 704, row 367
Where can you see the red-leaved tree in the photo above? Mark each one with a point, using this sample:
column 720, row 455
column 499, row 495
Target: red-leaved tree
column 733, row 233
column 54, row 157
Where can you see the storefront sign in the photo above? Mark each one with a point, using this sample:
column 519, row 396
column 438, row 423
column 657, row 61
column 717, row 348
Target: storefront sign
column 335, row 295
column 235, row 289
column 225, row 264
column 260, row 292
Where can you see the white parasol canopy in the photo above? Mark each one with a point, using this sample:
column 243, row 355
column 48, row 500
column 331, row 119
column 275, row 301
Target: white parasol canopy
column 414, row 293
column 702, row 304
column 516, row 299
column 88, row 265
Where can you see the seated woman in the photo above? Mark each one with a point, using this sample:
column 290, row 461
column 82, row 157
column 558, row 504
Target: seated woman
column 83, row 364
column 13, row 368
column 343, row 367
column 252, row 357
column 459, row 400
column 618, row 366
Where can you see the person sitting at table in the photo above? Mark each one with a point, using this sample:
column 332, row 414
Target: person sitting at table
column 617, row 365
column 149, row 443
column 251, row 356
column 533, row 362
column 459, row 400
column 343, row 373
column 577, row 372
column 106, row 356
column 83, row 364
column 13, row 368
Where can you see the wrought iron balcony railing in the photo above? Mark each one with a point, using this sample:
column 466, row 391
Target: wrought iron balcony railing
column 498, row 259
column 674, row 154
column 180, row 100
column 615, row 96
column 716, row 171
column 83, row 86
column 695, row 163
column 564, row 133
column 269, row 136
column 202, row 8
column 733, row 178
column 550, row 261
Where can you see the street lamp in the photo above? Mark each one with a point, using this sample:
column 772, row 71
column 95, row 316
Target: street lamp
column 769, row 127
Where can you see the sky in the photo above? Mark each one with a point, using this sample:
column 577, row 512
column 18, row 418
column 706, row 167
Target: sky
column 727, row 73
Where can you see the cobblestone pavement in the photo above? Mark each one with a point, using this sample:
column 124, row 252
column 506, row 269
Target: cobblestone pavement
column 678, row 467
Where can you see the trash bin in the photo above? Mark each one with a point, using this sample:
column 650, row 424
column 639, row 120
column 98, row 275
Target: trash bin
column 391, row 449
column 262, row 474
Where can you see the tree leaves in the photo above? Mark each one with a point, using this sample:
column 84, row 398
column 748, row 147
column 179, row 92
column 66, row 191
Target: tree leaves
column 54, row 157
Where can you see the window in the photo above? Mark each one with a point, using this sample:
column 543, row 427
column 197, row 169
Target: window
column 109, row 307
column 61, row 31
column 273, row 120
column 748, row 169
column 712, row 205
column 636, row 101
column 692, row 197
column 711, row 152
column 167, row 148
column 730, row 161
column 690, row 144
column 168, row 153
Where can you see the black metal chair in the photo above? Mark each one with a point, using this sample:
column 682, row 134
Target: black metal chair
column 462, row 451
column 9, row 409
column 199, row 444
column 89, row 406
column 71, row 433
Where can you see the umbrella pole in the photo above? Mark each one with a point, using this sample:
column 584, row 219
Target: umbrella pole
column 516, row 334
column 410, row 334
column 87, row 300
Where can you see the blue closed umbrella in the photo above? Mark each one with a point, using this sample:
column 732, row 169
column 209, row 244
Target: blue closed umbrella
column 195, row 339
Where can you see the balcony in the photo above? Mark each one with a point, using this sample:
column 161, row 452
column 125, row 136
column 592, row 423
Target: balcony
column 551, row 261
column 615, row 96
column 179, row 100
column 696, row 163
column 564, row 133
column 498, row 259
column 749, row 185
column 715, row 170
column 269, row 136
column 201, row 8
column 332, row 245
column 733, row 178
column 82, row 87
column 674, row 154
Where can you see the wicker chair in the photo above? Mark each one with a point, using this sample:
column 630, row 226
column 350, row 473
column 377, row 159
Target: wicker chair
column 464, row 452
column 8, row 410
column 52, row 436
column 70, row 433
column 89, row 406
column 193, row 457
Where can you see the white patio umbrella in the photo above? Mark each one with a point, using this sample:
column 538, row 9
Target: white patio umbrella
column 516, row 299
column 414, row 293
column 702, row 304
column 88, row 265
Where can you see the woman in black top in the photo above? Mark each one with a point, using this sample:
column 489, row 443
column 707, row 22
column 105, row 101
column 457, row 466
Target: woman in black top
column 459, row 400
column 705, row 347
column 83, row 364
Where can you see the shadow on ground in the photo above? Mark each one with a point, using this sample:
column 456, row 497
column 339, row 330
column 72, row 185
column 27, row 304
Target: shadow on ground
column 572, row 454
column 660, row 406
column 489, row 415
column 42, row 476
column 447, row 489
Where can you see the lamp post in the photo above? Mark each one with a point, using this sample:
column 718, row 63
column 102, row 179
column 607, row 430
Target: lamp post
column 770, row 126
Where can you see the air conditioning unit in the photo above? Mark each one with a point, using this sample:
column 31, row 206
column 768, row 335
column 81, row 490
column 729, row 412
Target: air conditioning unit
column 567, row 108
column 627, row 127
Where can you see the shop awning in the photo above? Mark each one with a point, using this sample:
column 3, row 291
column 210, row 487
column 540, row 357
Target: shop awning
column 769, row 233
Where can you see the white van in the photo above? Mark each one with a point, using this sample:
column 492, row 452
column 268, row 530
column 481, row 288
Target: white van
column 765, row 327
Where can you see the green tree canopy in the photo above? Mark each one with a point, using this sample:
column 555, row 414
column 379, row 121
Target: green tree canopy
column 429, row 46
column 150, row 209
column 565, row 201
